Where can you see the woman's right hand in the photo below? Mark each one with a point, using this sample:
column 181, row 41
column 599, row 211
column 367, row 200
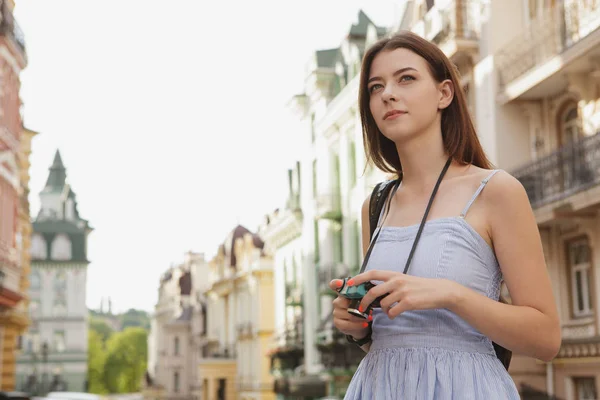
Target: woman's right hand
column 345, row 322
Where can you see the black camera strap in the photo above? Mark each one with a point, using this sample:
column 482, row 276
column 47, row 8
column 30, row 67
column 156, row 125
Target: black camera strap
column 421, row 226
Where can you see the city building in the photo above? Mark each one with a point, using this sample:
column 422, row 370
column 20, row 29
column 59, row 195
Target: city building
column 54, row 354
column 531, row 73
column 176, row 335
column 240, row 320
column 317, row 236
column 15, row 144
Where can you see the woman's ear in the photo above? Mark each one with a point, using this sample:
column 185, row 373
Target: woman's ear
column 446, row 89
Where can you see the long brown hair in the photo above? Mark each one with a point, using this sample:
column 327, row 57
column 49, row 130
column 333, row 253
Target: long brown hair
column 458, row 132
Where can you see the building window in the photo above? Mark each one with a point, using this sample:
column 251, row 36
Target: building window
column 176, row 346
column 59, row 341
column 34, row 280
column 585, row 388
column 38, row 251
column 61, row 248
column 59, row 306
column 581, row 279
column 176, row 382
column 569, row 125
column 34, row 308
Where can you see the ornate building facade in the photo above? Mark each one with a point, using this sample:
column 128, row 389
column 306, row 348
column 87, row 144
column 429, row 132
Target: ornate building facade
column 14, row 209
column 54, row 354
column 530, row 70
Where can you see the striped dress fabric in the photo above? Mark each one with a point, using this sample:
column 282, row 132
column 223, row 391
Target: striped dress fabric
column 434, row 354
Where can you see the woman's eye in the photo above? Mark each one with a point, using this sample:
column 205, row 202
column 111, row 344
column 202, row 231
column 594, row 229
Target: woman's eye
column 405, row 78
column 374, row 87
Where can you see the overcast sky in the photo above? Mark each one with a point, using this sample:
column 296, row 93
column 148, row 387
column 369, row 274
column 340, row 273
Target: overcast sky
column 163, row 113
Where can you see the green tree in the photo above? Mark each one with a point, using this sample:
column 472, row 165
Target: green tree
column 101, row 327
column 134, row 317
column 96, row 359
column 126, row 360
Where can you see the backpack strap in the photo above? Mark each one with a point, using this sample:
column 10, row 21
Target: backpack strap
column 378, row 197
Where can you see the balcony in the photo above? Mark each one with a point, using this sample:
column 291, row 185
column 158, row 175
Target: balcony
column 328, row 206
column 336, row 351
column 556, row 38
column 567, row 171
column 11, row 30
column 454, row 28
column 288, row 349
column 221, row 351
column 293, row 294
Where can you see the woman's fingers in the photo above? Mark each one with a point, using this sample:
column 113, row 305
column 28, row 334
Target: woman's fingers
column 343, row 314
column 349, row 326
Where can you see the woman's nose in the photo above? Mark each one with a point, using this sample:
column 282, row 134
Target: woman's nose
column 387, row 94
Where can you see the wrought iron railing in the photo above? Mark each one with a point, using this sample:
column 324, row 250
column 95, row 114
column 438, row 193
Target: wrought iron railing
column 460, row 20
column 556, row 30
column 567, row 171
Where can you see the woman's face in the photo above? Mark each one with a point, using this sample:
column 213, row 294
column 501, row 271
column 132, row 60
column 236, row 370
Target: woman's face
column 404, row 96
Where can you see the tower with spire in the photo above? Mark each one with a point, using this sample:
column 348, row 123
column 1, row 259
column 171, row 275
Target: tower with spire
column 57, row 292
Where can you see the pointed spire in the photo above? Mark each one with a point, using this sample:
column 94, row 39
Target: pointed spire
column 58, row 174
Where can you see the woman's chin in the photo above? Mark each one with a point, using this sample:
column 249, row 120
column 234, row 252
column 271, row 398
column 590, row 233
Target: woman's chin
column 398, row 135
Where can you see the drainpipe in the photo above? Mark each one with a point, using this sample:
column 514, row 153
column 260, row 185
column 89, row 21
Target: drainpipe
column 550, row 378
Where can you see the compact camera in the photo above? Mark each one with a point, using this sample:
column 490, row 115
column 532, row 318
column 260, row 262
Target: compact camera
column 355, row 293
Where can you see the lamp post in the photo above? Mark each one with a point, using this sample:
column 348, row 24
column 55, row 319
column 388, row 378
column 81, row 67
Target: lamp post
column 44, row 368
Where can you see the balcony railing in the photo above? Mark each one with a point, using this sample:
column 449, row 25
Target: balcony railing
column 293, row 294
column 565, row 172
column 556, row 30
column 328, row 206
column 10, row 28
column 221, row 351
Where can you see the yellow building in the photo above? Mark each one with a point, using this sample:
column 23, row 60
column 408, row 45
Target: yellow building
column 240, row 321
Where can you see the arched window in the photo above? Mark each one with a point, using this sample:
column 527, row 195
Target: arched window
column 569, row 125
column 39, row 249
column 61, row 247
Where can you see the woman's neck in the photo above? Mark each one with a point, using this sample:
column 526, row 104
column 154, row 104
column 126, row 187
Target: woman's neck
column 422, row 158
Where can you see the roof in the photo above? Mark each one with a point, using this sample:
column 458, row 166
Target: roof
column 58, row 175
column 361, row 28
column 327, row 58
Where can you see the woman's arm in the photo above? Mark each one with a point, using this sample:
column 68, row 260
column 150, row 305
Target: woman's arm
column 530, row 326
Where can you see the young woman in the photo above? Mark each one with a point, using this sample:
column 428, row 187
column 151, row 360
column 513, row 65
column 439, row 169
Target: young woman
column 432, row 337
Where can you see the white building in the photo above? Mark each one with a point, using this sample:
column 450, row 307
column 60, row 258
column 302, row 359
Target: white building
column 54, row 354
column 531, row 73
column 177, row 326
column 317, row 236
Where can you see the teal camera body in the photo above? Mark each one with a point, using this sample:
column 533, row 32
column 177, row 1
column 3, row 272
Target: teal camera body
column 355, row 293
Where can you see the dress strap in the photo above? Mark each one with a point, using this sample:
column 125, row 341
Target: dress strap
column 479, row 189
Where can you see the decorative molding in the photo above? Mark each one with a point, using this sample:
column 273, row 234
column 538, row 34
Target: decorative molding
column 10, row 175
column 10, row 59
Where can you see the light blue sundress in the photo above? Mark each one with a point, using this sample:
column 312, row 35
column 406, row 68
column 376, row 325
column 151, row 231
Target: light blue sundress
column 434, row 354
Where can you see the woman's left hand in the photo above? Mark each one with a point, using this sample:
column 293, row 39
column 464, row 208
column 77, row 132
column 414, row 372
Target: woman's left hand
column 406, row 292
